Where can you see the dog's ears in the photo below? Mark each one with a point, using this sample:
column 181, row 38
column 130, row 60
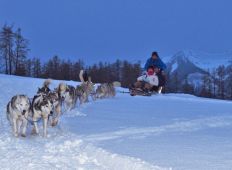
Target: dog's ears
column 13, row 102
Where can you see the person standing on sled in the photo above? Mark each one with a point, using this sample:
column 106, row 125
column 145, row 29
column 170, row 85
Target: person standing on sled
column 156, row 62
column 148, row 81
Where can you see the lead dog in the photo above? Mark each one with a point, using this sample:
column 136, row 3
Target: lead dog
column 41, row 109
column 18, row 110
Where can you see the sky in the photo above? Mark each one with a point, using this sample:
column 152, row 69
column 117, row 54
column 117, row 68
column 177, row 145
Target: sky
column 104, row 30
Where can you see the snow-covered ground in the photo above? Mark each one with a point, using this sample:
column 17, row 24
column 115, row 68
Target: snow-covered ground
column 171, row 131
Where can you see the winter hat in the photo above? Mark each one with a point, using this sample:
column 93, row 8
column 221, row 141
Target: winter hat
column 155, row 53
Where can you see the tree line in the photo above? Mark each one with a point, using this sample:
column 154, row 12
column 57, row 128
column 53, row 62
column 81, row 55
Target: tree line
column 13, row 50
column 215, row 83
column 14, row 60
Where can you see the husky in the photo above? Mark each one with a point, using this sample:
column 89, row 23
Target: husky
column 111, row 90
column 56, row 105
column 81, row 94
column 41, row 108
column 105, row 90
column 101, row 91
column 68, row 95
column 86, row 89
column 45, row 89
column 54, row 98
column 18, row 110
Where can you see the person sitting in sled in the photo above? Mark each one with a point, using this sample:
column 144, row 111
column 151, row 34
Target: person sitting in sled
column 156, row 62
column 148, row 81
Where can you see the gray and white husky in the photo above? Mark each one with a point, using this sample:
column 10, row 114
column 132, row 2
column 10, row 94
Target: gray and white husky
column 45, row 88
column 54, row 98
column 56, row 105
column 68, row 95
column 105, row 90
column 41, row 109
column 86, row 89
column 18, row 110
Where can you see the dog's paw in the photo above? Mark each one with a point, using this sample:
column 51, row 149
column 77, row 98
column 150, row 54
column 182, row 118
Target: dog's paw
column 54, row 124
column 23, row 135
column 33, row 132
column 16, row 135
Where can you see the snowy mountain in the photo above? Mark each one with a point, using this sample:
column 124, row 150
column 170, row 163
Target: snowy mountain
column 126, row 133
column 183, row 66
column 193, row 65
column 202, row 60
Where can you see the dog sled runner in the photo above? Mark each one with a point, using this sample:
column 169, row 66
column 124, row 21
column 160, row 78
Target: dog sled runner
column 140, row 92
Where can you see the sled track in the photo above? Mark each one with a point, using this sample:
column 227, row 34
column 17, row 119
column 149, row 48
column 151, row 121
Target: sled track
column 62, row 150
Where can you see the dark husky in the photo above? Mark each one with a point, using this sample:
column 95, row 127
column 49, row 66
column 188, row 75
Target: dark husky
column 41, row 108
column 45, row 89
column 54, row 98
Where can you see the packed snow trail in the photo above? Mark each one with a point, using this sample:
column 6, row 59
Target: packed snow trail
column 171, row 130
column 62, row 149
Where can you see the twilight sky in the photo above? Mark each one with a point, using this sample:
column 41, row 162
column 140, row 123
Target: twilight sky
column 95, row 30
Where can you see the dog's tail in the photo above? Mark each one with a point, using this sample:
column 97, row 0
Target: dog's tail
column 62, row 87
column 47, row 83
column 81, row 76
column 117, row 84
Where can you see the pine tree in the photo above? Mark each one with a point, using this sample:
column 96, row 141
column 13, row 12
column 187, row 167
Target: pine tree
column 6, row 47
column 214, row 81
column 229, row 82
column 206, row 90
column 36, row 68
column 187, row 88
column 221, row 81
column 20, row 53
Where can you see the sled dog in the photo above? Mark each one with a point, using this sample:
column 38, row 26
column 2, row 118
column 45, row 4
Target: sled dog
column 68, row 95
column 56, row 105
column 41, row 109
column 105, row 90
column 86, row 89
column 45, row 89
column 18, row 110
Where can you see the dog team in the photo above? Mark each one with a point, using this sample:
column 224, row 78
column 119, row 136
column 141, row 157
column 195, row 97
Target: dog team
column 47, row 105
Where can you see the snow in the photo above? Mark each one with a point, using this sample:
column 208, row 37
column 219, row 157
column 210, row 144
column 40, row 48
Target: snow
column 171, row 131
column 205, row 60
column 174, row 67
column 195, row 79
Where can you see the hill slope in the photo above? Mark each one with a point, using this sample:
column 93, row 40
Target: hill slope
column 123, row 133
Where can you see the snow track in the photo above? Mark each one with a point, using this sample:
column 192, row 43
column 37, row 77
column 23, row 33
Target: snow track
column 61, row 150
column 182, row 126
column 123, row 133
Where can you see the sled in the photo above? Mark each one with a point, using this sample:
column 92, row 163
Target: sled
column 140, row 92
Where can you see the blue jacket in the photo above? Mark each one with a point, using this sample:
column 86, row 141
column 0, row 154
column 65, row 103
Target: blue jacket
column 158, row 63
